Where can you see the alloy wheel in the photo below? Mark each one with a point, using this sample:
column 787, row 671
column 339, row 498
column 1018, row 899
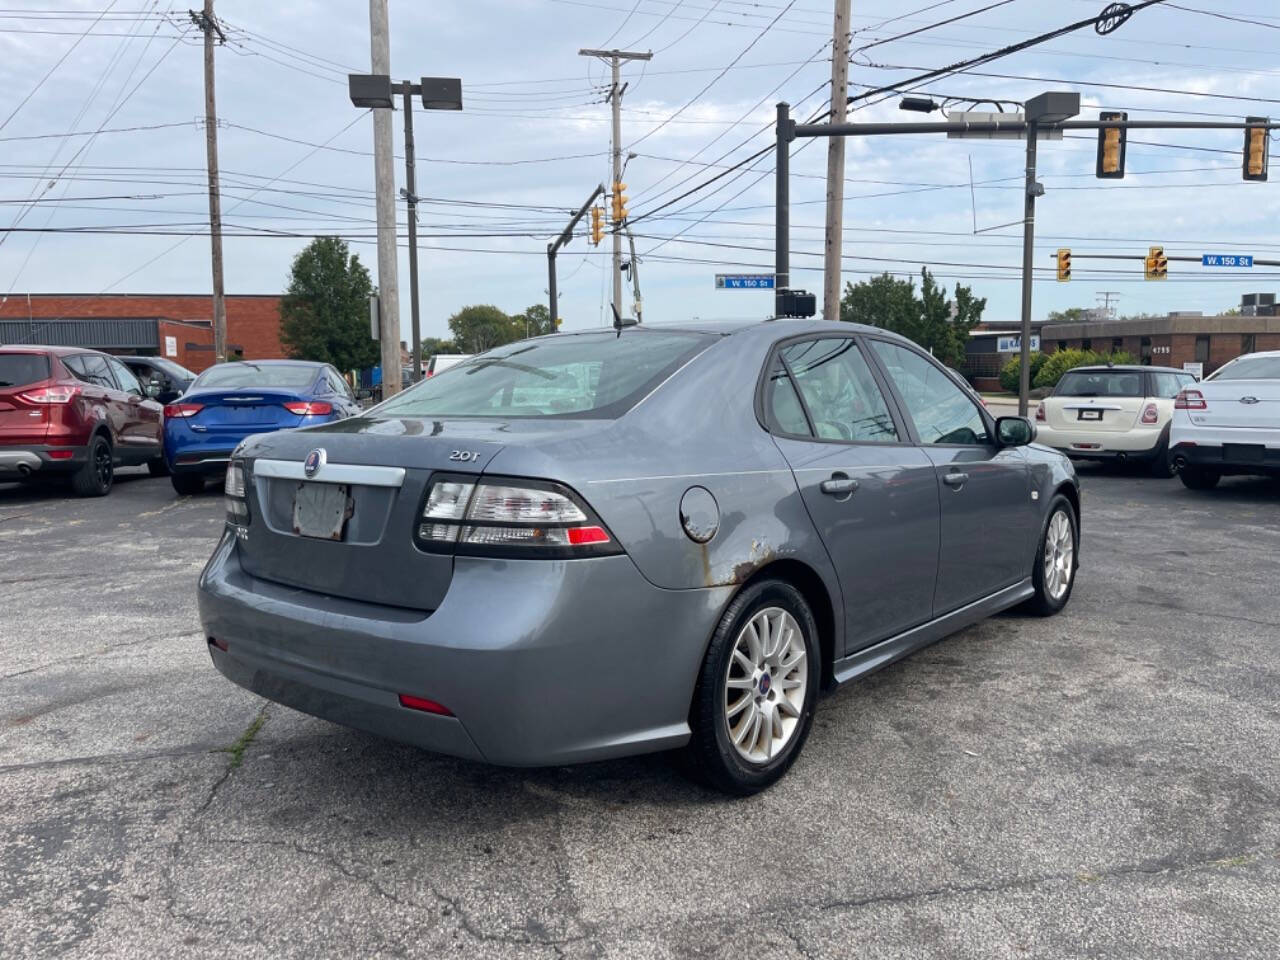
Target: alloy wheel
column 102, row 467
column 1059, row 555
column 765, row 685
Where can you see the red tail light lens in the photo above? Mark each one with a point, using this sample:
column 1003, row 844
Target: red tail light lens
column 60, row 394
column 425, row 705
column 513, row 518
column 179, row 411
column 61, row 454
column 1040, row 415
column 313, row 409
column 1190, row 400
column 1151, row 413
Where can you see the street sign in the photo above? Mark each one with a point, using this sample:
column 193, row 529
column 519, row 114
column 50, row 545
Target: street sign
column 1195, row 369
column 744, row 281
column 1226, row 259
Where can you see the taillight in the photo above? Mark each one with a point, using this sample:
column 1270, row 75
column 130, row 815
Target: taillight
column 522, row 518
column 425, row 705
column 1151, row 413
column 179, row 411
column 58, row 394
column 1040, row 415
column 1190, row 400
column 316, row 408
column 234, row 488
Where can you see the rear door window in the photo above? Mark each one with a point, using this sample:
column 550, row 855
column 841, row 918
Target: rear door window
column 840, row 393
column 20, row 369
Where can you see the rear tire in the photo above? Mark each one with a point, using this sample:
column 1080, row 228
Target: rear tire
column 158, row 467
column 1199, row 478
column 1052, row 592
column 1162, row 463
column 94, row 479
column 757, row 689
column 188, row 484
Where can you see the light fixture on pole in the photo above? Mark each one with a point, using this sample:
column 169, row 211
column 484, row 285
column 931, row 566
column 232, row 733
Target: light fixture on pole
column 376, row 91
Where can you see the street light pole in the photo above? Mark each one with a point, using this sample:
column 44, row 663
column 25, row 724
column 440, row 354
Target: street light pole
column 411, row 195
column 1033, row 189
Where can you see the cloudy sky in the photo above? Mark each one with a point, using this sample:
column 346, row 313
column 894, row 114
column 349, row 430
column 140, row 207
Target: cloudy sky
column 101, row 128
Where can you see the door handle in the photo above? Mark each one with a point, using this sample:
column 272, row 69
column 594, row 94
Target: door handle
column 956, row 480
column 839, row 486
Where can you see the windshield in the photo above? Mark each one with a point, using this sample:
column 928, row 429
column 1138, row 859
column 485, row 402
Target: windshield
column 174, row 370
column 594, row 374
column 239, row 374
column 1249, row 368
column 1100, row 383
column 19, row 369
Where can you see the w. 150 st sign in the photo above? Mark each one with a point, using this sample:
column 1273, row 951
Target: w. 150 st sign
column 744, row 281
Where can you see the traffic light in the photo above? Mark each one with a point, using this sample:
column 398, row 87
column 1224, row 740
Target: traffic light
column 597, row 228
column 1157, row 264
column 1064, row 265
column 1111, row 143
column 1255, row 149
column 619, row 202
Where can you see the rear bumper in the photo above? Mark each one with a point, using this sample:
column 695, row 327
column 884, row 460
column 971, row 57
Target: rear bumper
column 541, row 662
column 1229, row 458
column 36, row 460
column 1101, row 445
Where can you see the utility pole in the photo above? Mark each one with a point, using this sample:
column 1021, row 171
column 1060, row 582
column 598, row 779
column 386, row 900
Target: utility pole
column 835, row 163
column 209, row 26
column 385, row 191
column 1108, row 297
column 1028, row 243
column 615, row 58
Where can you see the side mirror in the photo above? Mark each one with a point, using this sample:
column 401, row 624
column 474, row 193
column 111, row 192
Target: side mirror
column 1015, row 431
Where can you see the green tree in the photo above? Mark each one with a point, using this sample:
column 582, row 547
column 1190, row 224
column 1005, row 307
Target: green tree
column 482, row 327
column 537, row 319
column 939, row 325
column 325, row 311
column 1070, row 315
column 433, row 345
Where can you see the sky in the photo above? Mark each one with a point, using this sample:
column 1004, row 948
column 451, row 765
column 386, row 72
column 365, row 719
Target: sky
column 101, row 128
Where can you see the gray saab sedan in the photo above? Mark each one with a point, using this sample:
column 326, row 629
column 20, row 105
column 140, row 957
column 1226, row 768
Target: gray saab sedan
column 606, row 543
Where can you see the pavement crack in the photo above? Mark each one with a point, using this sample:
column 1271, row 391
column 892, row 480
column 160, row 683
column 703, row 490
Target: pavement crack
column 102, row 651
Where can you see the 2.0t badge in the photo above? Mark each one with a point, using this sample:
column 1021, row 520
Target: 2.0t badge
column 315, row 460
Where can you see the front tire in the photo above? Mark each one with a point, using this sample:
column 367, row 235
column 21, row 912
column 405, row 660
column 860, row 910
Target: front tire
column 94, row 479
column 757, row 689
column 1057, row 559
column 1199, row 478
column 187, row 484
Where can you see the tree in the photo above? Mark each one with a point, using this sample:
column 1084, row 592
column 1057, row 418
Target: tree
column 433, row 345
column 939, row 325
column 324, row 315
column 482, row 327
column 537, row 319
column 1070, row 315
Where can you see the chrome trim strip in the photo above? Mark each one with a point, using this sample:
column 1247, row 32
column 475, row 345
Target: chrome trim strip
column 1091, row 406
column 353, row 473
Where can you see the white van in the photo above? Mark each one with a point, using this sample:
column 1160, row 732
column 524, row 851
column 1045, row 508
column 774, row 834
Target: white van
column 443, row 361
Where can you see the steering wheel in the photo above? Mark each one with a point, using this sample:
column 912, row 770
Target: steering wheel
column 840, row 428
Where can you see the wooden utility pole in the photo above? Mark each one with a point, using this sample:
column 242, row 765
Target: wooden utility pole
column 385, row 191
column 209, row 26
column 835, row 164
column 615, row 58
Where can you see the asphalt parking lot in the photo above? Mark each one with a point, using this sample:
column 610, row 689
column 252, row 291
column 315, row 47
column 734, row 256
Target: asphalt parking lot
column 1105, row 783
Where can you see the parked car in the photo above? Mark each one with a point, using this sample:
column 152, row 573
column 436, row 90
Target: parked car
column 235, row 400
column 441, row 362
column 1113, row 413
column 599, row 544
column 170, row 380
column 79, row 414
column 1229, row 423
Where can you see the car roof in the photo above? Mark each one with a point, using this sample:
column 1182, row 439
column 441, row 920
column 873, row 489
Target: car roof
column 313, row 364
column 37, row 348
column 1123, row 368
column 781, row 327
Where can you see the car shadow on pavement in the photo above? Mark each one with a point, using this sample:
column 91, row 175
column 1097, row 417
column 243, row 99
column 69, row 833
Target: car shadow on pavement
column 41, row 491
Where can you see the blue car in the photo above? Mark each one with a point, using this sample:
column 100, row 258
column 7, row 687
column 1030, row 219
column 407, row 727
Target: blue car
column 232, row 401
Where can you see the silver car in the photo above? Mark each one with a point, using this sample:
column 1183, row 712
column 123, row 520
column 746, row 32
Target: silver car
column 606, row 543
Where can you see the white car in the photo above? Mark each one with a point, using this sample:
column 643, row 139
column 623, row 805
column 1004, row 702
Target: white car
column 1229, row 423
column 1116, row 413
column 443, row 361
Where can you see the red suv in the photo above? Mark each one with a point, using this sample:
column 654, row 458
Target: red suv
column 77, row 413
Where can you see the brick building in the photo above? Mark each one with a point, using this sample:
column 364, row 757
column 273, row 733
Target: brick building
column 1169, row 341
column 179, row 326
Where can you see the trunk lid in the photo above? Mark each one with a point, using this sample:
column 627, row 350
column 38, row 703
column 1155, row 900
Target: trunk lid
column 240, row 412
column 1093, row 414
column 376, row 560
column 1246, row 404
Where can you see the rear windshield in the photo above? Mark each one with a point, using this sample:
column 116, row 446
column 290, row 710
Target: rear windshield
column 19, row 369
column 1100, row 383
column 585, row 375
column 1249, row 368
column 239, row 374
